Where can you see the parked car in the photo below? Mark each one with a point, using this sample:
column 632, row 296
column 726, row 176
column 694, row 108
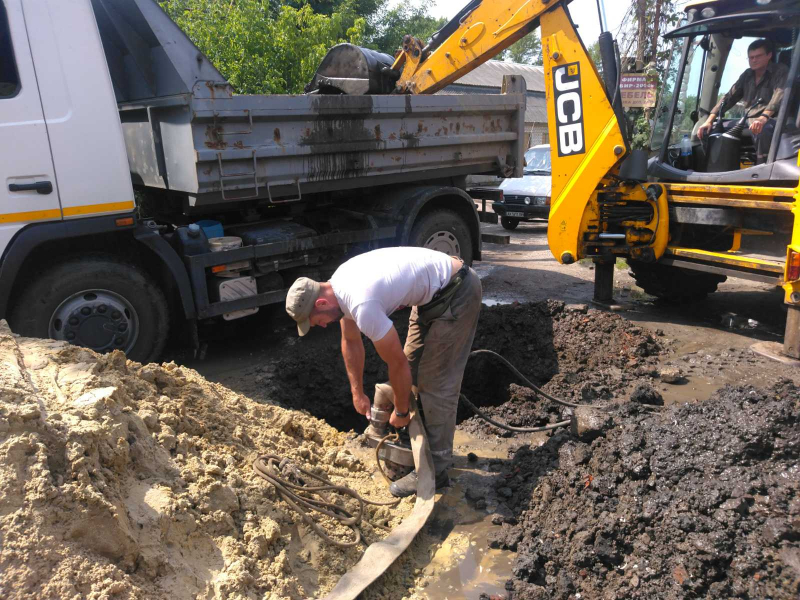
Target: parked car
column 528, row 197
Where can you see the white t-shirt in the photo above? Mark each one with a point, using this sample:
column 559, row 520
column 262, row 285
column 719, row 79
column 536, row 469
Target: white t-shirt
column 371, row 286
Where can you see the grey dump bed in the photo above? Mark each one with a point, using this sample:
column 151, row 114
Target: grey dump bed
column 186, row 132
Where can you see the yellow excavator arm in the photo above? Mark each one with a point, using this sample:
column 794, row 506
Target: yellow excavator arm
column 586, row 141
column 481, row 31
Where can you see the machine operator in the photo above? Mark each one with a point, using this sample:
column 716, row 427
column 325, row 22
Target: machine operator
column 761, row 89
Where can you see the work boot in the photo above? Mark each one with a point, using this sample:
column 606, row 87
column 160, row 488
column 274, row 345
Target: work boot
column 405, row 486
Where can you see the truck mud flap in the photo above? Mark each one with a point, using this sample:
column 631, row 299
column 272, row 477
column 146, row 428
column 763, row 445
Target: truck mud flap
column 380, row 555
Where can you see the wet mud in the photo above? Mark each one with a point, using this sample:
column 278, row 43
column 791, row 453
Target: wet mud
column 573, row 352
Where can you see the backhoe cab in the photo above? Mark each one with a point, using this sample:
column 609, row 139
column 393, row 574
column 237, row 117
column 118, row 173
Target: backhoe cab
column 709, row 53
column 733, row 207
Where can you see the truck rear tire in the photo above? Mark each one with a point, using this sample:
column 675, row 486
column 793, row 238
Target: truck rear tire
column 674, row 284
column 443, row 230
column 96, row 302
column 510, row 224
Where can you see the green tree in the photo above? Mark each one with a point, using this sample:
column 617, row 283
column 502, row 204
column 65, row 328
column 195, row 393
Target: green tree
column 527, row 51
column 643, row 48
column 257, row 51
column 594, row 53
column 391, row 25
column 363, row 8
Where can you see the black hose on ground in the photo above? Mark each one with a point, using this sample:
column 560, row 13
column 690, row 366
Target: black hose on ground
column 529, row 384
column 527, row 381
column 488, row 419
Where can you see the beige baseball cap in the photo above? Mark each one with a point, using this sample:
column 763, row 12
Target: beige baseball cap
column 300, row 302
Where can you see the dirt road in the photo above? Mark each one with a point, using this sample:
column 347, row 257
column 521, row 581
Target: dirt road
column 577, row 351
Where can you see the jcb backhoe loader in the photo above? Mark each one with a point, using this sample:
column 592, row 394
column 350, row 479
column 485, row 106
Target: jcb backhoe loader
column 683, row 227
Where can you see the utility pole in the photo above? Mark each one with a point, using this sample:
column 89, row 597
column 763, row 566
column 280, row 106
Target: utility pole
column 641, row 11
column 656, row 33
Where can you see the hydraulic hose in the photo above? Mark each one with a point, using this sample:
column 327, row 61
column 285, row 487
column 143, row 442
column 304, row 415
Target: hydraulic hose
column 488, row 419
column 528, row 383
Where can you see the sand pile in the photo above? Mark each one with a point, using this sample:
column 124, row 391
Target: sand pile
column 119, row 480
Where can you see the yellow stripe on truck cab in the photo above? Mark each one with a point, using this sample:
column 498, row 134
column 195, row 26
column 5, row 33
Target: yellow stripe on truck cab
column 91, row 209
column 52, row 214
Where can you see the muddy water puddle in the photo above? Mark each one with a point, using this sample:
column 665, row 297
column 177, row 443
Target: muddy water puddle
column 463, row 566
column 452, row 558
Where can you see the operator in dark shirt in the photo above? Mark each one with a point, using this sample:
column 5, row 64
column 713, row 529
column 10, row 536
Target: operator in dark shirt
column 761, row 89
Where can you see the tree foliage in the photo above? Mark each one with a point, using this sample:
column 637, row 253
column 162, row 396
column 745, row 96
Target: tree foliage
column 390, row 25
column 260, row 48
column 527, row 51
column 363, row 8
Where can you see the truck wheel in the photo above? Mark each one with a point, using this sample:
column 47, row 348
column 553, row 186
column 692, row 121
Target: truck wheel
column 510, row 224
column 96, row 302
column 674, row 284
column 445, row 231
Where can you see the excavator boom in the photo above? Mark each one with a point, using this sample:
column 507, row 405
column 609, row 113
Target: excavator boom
column 588, row 143
column 480, row 31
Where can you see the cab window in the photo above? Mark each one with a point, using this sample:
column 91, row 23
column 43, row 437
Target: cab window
column 9, row 78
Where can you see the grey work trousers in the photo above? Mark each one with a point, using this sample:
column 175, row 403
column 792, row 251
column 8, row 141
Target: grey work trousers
column 438, row 354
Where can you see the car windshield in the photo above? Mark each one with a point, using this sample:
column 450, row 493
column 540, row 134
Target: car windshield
column 537, row 161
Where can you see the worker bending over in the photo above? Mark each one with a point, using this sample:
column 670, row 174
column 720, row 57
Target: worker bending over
column 446, row 298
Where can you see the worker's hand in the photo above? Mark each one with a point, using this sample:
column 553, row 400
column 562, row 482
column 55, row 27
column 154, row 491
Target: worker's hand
column 758, row 125
column 362, row 404
column 704, row 129
column 398, row 422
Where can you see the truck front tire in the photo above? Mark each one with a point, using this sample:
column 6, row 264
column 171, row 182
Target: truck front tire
column 96, row 302
column 443, row 230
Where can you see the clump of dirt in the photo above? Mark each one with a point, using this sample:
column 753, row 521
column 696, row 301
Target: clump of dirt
column 699, row 500
column 129, row 481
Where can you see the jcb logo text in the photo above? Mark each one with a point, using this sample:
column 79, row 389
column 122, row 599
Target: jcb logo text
column 569, row 109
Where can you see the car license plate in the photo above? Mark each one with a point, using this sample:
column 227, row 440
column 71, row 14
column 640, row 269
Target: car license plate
column 515, row 214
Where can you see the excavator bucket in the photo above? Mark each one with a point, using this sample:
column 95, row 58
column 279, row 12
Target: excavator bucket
column 352, row 70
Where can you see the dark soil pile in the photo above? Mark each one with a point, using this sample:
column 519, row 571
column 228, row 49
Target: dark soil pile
column 697, row 500
column 571, row 351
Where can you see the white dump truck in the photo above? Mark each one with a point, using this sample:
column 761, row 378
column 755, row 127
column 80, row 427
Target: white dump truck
column 123, row 151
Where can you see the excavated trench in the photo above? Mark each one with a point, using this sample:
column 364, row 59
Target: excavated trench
column 571, row 350
column 694, row 500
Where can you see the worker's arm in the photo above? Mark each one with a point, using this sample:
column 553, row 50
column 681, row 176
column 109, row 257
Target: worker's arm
column 391, row 352
column 353, row 353
column 774, row 103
